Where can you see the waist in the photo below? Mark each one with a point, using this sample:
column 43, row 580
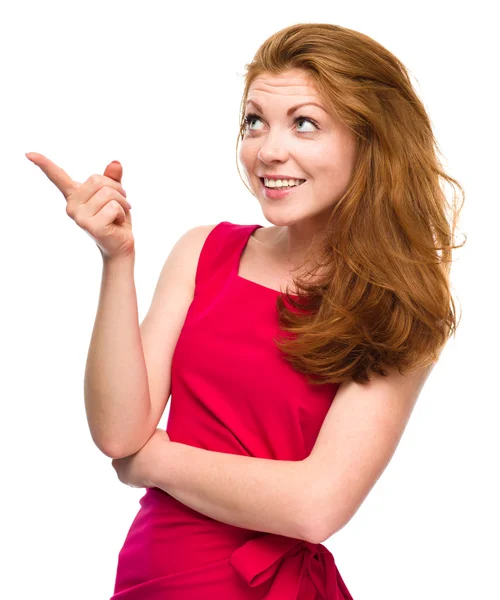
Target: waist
column 168, row 539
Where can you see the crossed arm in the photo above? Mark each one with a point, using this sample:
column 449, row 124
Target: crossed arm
column 309, row 499
column 254, row 493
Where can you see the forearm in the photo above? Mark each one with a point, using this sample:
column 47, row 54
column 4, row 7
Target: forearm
column 116, row 386
column 254, row 493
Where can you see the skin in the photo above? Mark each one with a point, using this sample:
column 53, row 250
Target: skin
column 294, row 496
column 279, row 144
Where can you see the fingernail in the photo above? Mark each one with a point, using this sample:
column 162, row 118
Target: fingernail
column 129, row 205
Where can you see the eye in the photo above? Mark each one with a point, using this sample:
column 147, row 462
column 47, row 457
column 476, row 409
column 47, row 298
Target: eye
column 252, row 117
column 249, row 118
column 309, row 121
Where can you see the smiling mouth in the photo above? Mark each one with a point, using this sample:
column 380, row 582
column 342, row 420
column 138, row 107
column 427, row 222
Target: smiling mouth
column 281, row 186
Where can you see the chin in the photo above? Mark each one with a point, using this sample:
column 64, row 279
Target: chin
column 278, row 217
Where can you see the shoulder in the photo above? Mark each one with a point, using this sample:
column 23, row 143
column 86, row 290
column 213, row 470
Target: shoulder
column 193, row 240
column 181, row 264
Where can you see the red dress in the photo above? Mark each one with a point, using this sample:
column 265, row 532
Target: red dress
column 232, row 392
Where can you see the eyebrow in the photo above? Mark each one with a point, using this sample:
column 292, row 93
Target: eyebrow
column 290, row 110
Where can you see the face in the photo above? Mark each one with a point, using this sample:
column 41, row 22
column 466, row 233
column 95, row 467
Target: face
column 303, row 143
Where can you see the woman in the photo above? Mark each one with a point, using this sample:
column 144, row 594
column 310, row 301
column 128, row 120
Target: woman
column 274, row 440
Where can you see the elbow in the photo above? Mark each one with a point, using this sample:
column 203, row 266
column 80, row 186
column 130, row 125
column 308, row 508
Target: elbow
column 320, row 529
column 110, row 450
column 130, row 442
column 117, row 451
column 323, row 517
column 316, row 532
column 312, row 521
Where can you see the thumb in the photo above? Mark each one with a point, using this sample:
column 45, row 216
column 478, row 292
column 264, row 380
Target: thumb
column 114, row 170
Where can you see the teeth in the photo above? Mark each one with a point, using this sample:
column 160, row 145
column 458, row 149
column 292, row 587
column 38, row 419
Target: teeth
column 282, row 182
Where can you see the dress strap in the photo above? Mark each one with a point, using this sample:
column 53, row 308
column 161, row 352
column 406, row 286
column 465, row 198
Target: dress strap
column 220, row 254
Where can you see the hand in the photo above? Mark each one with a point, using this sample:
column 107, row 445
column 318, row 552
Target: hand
column 137, row 470
column 98, row 205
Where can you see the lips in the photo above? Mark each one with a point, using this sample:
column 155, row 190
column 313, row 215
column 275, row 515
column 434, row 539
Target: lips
column 281, row 177
column 277, row 188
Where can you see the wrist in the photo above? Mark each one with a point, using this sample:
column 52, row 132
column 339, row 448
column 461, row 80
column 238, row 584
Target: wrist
column 160, row 466
column 118, row 266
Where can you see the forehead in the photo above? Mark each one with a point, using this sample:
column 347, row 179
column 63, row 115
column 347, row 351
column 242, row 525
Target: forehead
column 294, row 83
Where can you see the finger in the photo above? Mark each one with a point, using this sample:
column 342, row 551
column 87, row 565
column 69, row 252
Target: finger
column 58, row 176
column 102, row 197
column 114, row 170
column 92, row 185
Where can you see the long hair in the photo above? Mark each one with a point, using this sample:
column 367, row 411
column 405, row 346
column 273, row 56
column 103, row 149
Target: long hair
column 380, row 295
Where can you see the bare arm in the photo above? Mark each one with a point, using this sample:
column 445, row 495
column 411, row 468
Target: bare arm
column 128, row 377
column 117, row 399
column 254, row 493
column 309, row 499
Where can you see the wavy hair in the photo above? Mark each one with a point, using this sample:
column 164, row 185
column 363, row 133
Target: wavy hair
column 380, row 295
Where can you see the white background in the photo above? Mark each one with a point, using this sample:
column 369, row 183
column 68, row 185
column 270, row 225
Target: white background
column 158, row 86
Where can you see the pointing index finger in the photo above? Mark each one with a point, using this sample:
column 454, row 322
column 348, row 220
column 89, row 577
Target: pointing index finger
column 58, row 176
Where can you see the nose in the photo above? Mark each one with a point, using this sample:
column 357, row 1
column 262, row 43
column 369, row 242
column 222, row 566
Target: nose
column 273, row 149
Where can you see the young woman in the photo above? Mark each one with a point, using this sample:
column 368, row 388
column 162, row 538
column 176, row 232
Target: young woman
column 294, row 353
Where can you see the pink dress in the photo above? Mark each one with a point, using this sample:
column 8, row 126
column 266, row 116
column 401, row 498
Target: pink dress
column 232, row 392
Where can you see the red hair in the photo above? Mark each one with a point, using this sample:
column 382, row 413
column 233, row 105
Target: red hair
column 381, row 296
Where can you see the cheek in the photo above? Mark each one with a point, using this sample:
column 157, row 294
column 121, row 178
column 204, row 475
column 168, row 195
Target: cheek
column 331, row 161
column 247, row 162
column 246, row 154
column 315, row 155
